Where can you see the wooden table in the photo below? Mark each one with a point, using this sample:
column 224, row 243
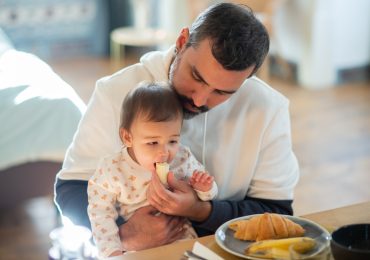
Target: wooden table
column 331, row 219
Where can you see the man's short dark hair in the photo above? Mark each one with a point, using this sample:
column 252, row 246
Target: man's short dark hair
column 238, row 39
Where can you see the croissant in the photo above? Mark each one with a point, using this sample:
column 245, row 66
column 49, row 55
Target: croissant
column 266, row 226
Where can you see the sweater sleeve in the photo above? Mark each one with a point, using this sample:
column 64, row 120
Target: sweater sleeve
column 277, row 171
column 223, row 211
column 208, row 195
column 102, row 212
column 96, row 136
column 184, row 166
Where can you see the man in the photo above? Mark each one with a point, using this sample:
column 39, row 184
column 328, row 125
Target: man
column 237, row 126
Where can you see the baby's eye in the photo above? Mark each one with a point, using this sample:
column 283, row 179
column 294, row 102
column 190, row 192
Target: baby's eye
column 152, row 143
column 173, row 142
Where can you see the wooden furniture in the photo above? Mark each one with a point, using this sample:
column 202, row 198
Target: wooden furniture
column 141, row 34
column 331, row 219
column 140, row 37
column 39, row 115
column 26, row 181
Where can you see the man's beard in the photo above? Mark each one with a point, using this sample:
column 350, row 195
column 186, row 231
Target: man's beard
column 184, row 100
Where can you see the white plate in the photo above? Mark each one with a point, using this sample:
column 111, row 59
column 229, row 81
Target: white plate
column 225, row 236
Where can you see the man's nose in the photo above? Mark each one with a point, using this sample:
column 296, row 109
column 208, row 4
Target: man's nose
column 200, row 97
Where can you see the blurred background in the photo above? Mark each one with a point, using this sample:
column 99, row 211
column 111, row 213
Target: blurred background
column 323, row 41
column 319, row 59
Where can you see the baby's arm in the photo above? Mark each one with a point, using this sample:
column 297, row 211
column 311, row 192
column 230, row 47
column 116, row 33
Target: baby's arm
column 102, row 214
column 188, row 168
column 201, row 181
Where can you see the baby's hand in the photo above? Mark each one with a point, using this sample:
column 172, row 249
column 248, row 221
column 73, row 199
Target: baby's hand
column 201, row 181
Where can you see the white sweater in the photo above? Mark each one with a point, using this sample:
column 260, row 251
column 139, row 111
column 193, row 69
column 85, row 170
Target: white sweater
column 245, row 142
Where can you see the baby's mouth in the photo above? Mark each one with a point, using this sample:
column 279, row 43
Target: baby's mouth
column 155, row 164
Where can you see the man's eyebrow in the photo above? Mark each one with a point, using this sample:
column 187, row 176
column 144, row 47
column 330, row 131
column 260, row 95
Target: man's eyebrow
column 197, row 74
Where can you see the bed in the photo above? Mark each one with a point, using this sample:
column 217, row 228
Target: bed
column 39, row 114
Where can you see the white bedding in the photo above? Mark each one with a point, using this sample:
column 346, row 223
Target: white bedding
column 39, row 112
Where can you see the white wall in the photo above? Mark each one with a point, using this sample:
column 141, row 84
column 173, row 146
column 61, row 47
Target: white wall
column 322, row 36
column 351, row 31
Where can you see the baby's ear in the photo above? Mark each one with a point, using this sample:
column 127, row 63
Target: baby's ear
column 125, row 136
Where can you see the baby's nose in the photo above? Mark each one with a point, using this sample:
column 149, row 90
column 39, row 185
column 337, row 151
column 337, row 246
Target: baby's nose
column 163, row 154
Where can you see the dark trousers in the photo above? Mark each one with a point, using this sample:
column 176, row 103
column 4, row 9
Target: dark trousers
column 71, row 200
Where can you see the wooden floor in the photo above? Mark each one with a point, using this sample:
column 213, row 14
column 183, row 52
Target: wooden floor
column 331, row 139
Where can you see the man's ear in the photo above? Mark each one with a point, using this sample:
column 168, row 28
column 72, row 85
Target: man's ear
column 125, row 136
column 182, row 39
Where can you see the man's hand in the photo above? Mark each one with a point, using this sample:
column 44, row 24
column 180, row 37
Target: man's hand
column 146, row 229
column 179, row 200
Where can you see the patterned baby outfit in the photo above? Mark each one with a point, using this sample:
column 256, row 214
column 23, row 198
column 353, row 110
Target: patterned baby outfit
column 118, row 187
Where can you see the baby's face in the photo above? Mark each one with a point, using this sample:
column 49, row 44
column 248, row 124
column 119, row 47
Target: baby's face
column 153, row 142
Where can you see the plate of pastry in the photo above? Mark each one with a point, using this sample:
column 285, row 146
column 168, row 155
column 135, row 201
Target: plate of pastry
column 271, row 236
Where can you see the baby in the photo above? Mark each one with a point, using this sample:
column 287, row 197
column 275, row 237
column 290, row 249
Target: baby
column 151, row 121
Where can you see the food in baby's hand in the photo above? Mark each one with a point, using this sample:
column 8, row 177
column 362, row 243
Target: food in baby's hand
column 279, row 248
column 266, row 226
column 162, row 169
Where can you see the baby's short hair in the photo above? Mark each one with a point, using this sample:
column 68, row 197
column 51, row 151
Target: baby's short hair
column 153, row 101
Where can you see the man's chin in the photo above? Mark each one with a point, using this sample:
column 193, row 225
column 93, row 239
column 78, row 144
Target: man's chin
column 189, row 109
column 190, row 114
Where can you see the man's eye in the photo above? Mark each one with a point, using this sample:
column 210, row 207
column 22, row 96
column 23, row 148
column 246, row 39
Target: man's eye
column 222, row 93
column 196, row 78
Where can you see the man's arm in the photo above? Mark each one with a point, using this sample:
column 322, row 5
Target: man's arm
column 146, row 229
column 222, row 211
column 207, row 216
